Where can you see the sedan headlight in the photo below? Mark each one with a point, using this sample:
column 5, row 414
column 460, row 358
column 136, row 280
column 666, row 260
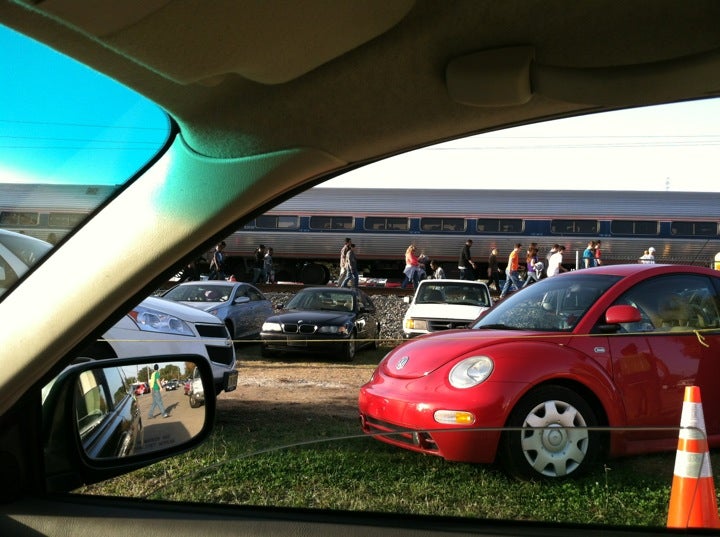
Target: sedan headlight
column 271, row 327
column 150, row 320
column 332, row 330
column 471, row 372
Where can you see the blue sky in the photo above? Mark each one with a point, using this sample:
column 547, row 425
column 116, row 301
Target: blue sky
column 61, row 122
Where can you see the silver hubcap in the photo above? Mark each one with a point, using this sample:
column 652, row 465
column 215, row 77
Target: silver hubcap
column 557, row 440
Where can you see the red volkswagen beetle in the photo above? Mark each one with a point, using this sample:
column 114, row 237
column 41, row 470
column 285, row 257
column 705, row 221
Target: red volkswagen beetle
column 530, row 383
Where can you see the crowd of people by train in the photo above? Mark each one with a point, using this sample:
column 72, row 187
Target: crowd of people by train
column 418, row 265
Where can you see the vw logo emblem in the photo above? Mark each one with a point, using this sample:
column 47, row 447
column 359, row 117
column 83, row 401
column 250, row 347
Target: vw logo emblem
column 402, row 363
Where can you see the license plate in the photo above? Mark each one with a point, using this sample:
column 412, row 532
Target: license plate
column 297, row 342
column 231, row 378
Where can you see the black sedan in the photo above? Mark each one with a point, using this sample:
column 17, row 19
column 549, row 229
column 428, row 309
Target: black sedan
column 325, row 320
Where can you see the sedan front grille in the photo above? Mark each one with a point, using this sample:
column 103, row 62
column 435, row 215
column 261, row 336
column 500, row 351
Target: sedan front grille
column 212, row 330
column 221, row 355
column 306, row 329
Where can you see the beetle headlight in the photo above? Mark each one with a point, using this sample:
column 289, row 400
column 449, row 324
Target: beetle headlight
column 471, row 372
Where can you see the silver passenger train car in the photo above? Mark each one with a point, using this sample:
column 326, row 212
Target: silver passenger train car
column 308, row 230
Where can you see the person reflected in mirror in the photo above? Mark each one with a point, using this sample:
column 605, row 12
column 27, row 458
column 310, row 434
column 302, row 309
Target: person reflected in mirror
column 351, row 270
column 157, row 401
column 512, row 271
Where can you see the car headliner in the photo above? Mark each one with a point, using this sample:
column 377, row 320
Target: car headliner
column 374, row 81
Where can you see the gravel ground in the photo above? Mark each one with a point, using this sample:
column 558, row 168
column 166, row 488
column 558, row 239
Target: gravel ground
column 390, row 311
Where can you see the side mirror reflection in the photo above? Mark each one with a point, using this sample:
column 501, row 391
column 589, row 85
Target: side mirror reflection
column 129, row 407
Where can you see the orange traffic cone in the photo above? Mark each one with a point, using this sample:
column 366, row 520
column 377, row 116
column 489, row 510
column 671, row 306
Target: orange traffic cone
column 692, row 499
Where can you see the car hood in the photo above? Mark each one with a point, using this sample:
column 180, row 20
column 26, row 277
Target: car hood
column 444, row 311
column 186, row 313
column 316, row 317
column 421, row 356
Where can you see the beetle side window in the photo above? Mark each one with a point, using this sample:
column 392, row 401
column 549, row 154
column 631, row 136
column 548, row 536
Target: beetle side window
column 674, row 304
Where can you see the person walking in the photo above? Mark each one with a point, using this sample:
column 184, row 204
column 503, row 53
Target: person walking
column 466, row 263
column 494, row 270
column 217, row 263
column 412, row 267
column 512, row 271
column 588, row 256
column 157, row 401
column 268, row 266
column 343, row 259
column 534, row 267
column 259, row 266
column 351, row 270
column 555, row 262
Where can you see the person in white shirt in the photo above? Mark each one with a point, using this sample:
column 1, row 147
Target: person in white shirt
column 555, row 262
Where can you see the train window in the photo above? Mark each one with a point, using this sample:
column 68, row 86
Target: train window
column 499, row 225
column 634, row 227
column 442, row 224
column 332, row 222
column 381, row 223
column 699, row 229
column 577, row 227
column 19, row 218
column 65, row 220
column 275, row 222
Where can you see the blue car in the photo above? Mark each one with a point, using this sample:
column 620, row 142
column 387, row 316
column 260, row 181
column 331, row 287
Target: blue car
column 241, row 306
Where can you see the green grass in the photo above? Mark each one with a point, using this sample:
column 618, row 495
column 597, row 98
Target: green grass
column 345, row 470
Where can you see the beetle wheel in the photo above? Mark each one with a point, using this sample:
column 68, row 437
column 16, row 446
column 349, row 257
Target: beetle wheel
column 557, row 440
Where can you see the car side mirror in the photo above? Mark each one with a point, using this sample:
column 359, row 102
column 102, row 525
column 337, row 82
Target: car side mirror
column 95, row 426
column 406, row 299
column 622, row 314
column 241, row 300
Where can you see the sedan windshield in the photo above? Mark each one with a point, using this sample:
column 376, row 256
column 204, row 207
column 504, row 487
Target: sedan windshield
column 551, row 305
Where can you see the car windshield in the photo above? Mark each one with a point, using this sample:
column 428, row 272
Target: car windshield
column 463, row 294
column 292, row 434
column 551, row 305
column 321, row 300
column 65, row 152
column 199, row 293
